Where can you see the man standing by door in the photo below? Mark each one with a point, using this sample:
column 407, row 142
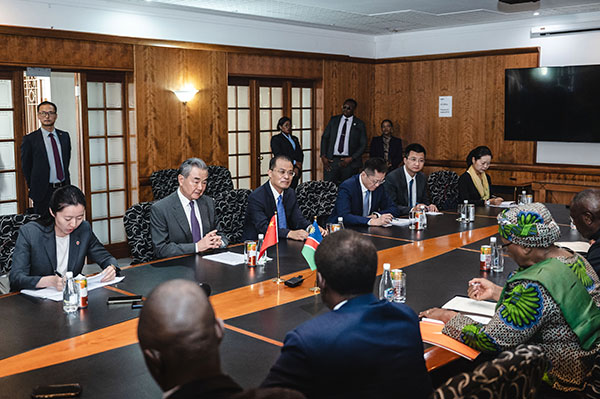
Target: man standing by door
column 45, row 157
column 343, row 142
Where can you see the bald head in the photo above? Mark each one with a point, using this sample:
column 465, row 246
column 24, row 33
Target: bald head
column 178, row 333
column 585, row 211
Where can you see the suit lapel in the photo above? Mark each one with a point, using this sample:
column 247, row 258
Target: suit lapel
column 204, row 217
column 337, row 129
column 74, row 246
column 50, row 246
column 179, row 215
column 42, row 146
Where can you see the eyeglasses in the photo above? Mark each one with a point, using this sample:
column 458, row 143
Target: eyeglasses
column 282, row 172
column 346, row 107
column 375, row 181
column 46, row 114
column 419, row 160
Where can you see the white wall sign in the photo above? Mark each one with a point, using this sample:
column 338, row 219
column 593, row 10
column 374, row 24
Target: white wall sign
column 445, row 109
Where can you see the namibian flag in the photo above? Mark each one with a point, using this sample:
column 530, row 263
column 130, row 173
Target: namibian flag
column 311, row 244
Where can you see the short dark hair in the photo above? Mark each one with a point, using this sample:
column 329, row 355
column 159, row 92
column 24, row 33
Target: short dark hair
column 347, row 261
column 388, row 121
column 47, row 103
column 375, row 164
column 351, row 100
column 273, row 160
column 414, row 147
column 61, row 198
column 283, row 120
column 477, row 153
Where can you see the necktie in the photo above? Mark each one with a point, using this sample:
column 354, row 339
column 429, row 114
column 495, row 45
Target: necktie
column 366, row 203
column 281, row 213
column 342, row 137
column 410, row 192
column 60, row 174
column 196, row 234
column 291, row 140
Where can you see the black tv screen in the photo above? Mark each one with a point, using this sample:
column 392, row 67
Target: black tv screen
column 553, row 104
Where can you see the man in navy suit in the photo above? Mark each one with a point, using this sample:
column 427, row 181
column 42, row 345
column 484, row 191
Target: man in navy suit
column 364, row 347
column 275, row 195
column 362, row 199
column 406, row 186
column 387, row 146
column 45, row 157
column 343, row 142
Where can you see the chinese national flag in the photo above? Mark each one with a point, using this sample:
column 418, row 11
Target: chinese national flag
column 271, row 237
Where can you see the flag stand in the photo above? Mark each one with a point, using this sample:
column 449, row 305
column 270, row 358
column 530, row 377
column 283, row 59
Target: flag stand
column 315, row 289
column 277, row 279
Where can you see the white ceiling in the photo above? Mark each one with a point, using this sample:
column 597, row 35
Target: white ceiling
column 379, row 17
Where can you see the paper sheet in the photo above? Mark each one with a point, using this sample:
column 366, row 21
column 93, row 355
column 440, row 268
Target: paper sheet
column 504, row 204
column 55, row 295
column 576, row 246
column 400, row 222
column 430, row 213
column 468, row 305
column 229, row 258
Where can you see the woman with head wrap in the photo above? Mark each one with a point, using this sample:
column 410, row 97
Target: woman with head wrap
column 551, row 301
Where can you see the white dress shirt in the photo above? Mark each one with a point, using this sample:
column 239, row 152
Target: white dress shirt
column 364, row 190
column 346, row 152
column 50, row 152
column 62, row 254
column 185, row 203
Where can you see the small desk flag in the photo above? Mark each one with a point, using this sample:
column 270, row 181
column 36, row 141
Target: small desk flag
column 271, row 237
column 311, row 244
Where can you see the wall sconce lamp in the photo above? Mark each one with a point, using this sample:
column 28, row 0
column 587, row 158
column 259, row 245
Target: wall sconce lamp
column 186, row 94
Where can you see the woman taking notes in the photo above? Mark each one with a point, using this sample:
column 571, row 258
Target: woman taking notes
column 47, row 249
column 551, row 301
column 474, row 185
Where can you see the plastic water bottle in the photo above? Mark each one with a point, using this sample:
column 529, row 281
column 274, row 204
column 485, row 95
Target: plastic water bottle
column 497, row 259
column 263, row 259
column 70, row 294
column 463, row 211
column 341, row 222
column 386, row 287
column 423, row 218
column 523, row 198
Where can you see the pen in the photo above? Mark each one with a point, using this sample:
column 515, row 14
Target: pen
column 58, row 274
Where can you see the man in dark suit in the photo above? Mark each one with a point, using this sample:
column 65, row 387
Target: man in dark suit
column 343, row 142
column 387, row 146
column 585, row 212
column 180, row 337
column 275, row 195
column 184, row 222
column 406, row 186
column 45, row 157
column 285, row 143
column 364, row 347
column 362, row 200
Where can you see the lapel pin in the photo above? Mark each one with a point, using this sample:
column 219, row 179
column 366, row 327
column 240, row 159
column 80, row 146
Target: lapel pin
column 76, row 242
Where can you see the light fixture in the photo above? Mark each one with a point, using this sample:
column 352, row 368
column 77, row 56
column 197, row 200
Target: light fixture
column 186, row 94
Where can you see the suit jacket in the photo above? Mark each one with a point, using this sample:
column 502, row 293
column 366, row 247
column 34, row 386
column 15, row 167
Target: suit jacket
column 262, row 207
column 394, row 153
column 357, row 143
column 35, row 163
column 349, row 203
column 397, row 189
column 223, row 387
column 35, row 253
column 467, row 190
column 366, row 349
column 282, row 146
column 593, row 254
column 171, row 233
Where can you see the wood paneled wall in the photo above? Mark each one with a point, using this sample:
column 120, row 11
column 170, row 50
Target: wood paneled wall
column 168, row 130
column 63, row 54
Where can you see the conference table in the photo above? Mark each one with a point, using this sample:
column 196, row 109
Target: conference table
column 97, row 346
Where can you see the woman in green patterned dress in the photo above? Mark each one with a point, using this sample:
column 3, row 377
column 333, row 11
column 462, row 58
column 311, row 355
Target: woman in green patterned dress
column 552, row 301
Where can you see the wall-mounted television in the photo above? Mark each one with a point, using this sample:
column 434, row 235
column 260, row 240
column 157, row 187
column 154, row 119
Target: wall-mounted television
column 553, row 104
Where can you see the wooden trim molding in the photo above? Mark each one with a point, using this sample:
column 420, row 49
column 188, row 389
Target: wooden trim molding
column 467, row 54
column 537, row 168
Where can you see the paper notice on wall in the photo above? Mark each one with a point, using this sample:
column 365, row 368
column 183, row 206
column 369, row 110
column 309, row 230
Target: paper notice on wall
column 445, row 109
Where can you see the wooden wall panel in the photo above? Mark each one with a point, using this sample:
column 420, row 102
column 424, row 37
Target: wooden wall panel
column 169, row 131
column 64, row 53
column 255, row 65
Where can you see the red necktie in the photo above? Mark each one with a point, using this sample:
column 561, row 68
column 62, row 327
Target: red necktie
column 60, row 174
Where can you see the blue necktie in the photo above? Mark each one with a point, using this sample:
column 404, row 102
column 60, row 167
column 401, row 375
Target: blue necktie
column 196, row 234
column 281, row 213
column 366, row 203
column 410, row 198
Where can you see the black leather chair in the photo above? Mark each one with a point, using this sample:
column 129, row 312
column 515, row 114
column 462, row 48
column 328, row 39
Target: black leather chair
column 137, row 228
column 219, row 181
column 592, row 388
column 163, row 182
column 443, row 187
column 512, row 375
column 230, row 209
column 9, row 231
column 316, row 198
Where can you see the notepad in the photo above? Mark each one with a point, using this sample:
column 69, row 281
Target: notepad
column 576, row 246
column 504, row 204
column 480, row 311
column 431, row 213
column 400, row 222
column 54, row 295
column 229, row 258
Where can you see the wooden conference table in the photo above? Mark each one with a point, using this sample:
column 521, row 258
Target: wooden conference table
column 97, row 347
